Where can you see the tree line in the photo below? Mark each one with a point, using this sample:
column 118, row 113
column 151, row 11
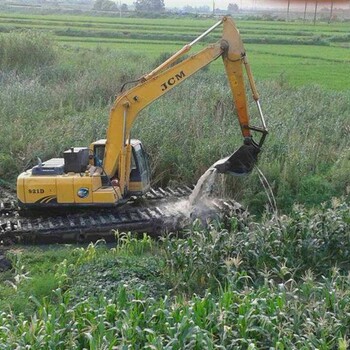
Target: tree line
column 140, row 6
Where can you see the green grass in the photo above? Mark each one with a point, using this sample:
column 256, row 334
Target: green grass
column 38, row 282
column 330, row 54
column 273, row 47
column 301, row 66
column 151, row 48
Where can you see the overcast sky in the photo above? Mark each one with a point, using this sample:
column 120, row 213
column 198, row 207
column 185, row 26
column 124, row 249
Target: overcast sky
column 222, row 4
column 196, row 3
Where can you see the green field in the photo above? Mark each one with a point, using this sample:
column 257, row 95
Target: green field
column 298, row 52
column 278, row 280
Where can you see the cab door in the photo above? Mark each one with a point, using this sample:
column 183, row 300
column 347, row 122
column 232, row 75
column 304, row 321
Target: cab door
column 140, row 174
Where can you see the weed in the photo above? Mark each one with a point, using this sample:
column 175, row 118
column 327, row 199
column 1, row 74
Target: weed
column 279, row 283
column 131, row 244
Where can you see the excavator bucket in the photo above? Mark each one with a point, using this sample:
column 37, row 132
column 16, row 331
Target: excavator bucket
column 241, row 162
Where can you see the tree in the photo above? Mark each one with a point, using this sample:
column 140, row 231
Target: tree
column 188, row 9
column 124, row 7
column 149, row 5
column 203, row 9
column 105, row 5
column 232, row 8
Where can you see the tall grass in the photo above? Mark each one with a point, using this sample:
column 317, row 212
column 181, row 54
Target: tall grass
column 280, row 283
column 269, row 317
column 273, row 250
column 26, row 49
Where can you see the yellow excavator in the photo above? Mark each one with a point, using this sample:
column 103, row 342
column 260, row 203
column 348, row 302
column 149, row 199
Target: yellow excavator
column 113, row 169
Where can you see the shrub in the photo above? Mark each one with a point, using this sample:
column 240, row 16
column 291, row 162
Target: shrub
column 26, row 50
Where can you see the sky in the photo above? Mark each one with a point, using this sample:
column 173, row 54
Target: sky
column 197, row 3
column 222, row 4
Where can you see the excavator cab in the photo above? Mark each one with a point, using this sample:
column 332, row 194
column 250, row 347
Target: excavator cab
column 140, row 171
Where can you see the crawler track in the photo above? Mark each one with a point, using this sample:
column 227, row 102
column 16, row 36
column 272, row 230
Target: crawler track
column 158, row 211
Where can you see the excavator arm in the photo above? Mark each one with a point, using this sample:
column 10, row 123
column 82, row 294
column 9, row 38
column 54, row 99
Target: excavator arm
column 170, row 74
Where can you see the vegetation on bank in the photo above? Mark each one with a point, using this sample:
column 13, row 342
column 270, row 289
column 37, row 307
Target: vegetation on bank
column 282, row 283
column 64, row 101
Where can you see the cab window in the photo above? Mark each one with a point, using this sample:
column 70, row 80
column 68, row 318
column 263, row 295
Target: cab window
column 99, row 153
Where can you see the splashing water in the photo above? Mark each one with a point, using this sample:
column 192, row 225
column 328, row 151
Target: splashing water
column 199, row 204
column 205, row 185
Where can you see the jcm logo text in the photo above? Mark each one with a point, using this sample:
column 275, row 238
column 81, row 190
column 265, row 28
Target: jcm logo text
column 173, row 80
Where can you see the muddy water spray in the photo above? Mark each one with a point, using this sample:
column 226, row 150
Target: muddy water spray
column 205, row 185
column 198, row 205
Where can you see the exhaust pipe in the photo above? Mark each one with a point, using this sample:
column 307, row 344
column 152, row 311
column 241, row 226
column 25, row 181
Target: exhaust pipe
column 242, row 161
